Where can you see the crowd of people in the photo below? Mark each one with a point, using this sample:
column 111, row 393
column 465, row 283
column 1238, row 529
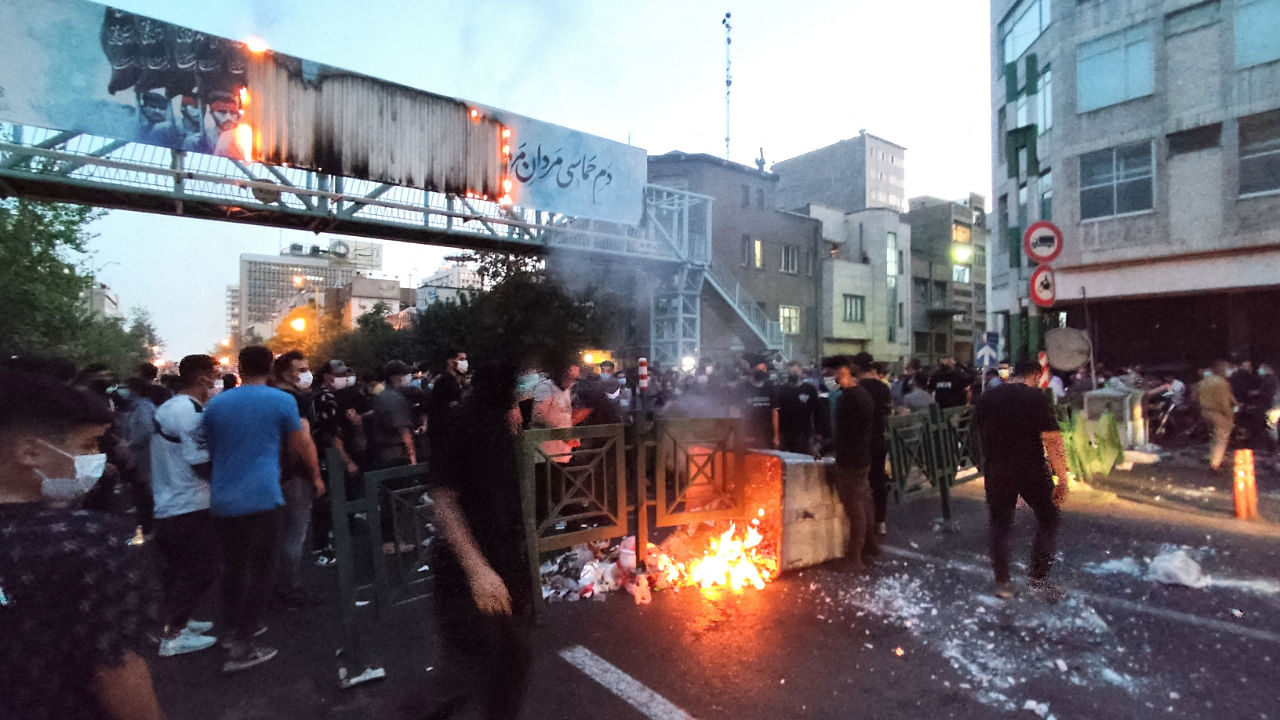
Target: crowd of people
column 124, row 503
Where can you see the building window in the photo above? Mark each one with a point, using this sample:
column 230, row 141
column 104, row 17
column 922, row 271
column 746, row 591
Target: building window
column 1046, row 196
column 1044, row 101
column 1020, row 27
column 746, row 196
column 960, row 273
column 1022, row 208
column 980, row 293
column 980, row 256
column 893, row 333
column 1002, row 129
column 759, row 199
column 939, row 292
column 757, row 247
column 920, row 289
column 902, row 314
column 789, row 319
column 961, row 233
column 1117, row 181
column 1022, row 117
column 901, row 265
column 746, row 250
column 1205, row 137
column 1260, row 153
column 940, row 343
column 891, row 258
column 1115, row 68
column 921, row 342
column 855, row 308
column 1257, row 38
column 790, row 259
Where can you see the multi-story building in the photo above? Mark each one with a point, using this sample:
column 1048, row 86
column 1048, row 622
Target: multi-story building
column 855, row 174
column 268, row 282
column 101, row 301
column 448, row 284
column 863, row 302
column 948, row 277
column 1149, row 132
column 233, row 311
column 770, row 254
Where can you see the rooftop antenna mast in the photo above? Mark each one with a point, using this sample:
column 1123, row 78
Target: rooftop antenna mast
column 728, row 79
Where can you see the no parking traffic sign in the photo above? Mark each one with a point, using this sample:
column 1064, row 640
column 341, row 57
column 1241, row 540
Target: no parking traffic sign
column 1043, row 286
column 1042, row 242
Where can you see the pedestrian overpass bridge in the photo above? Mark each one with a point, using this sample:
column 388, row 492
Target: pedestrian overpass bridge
column 174, row 121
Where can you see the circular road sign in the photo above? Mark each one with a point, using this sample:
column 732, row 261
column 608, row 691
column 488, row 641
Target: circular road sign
column 1043, row 286
column 1042, row 241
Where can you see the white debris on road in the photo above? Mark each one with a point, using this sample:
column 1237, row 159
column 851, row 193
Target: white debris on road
column 1175, row 567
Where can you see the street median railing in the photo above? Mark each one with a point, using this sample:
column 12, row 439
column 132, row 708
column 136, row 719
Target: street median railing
column 927, row 450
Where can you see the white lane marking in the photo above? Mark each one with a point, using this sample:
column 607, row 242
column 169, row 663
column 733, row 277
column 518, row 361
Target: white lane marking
column 1188, row 618
column 649, row 703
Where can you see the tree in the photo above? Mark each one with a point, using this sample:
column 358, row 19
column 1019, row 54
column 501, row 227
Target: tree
column 495, row 268
column 40, row 288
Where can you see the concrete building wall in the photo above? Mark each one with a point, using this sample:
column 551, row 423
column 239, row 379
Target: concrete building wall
column 1200, row 235
column 743, row 212
column 948, row 313
column 854, row 174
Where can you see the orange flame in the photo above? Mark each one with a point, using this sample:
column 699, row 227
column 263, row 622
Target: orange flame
column 244, row 97
column 734, row 560
column 244, row 141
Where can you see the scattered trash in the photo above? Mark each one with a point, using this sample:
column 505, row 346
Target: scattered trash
column 1041, row 709
column 1237, row 613
column 362, row 603
column 1062, row 664
column 1175, row 567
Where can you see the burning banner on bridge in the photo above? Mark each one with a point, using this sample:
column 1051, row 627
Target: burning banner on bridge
column 79, row 67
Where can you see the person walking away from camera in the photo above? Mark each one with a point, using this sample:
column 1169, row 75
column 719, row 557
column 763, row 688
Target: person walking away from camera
column 484, row 600
column 855, row 412
column 1019, row 431
column 185, row 535
column 1217, row 405
column 882, row 406
column 76, row 601
column 292, row 374
column 246, row 430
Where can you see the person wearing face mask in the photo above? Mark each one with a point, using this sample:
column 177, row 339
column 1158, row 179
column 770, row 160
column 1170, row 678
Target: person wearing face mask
column 446, row 393
column 758, row 407
column 799, row 412
column 330, row 431
column 851, row 443
column 292, row 373
column 76, row 601
column 184, row 535
column 246, row 431
column 393, row 420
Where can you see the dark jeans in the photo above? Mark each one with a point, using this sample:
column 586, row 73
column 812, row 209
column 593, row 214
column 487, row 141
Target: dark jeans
column 1003, row 489
column 188, row 546
column 879, row 482
column 250, row 545
column 487, row 656
column 298, row 496
column 855, row 495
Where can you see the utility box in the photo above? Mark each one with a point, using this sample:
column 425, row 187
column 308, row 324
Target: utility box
column 814, row 528
column 1125, row 406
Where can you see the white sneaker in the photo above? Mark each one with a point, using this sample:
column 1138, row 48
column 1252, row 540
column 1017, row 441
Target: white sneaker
column 199, row 627
column 882, row 529
column 185, row 642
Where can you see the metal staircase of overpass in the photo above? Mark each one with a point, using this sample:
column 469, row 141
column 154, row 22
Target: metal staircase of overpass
column 61, row 166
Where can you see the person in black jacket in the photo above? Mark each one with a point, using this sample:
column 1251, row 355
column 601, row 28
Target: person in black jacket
column 882, row 407
column 855, row 411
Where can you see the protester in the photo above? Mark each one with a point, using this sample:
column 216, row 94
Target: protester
column 799, row 412
column 185, row 535
column 292, row 373
column 948, row 384
column 1018, row 431
column 869, row 379
column 137, row 428
column 482, row 594
column 330, row 431
column 246, row 430
column 446, row 393
column 392, row 442
column 1217, row 405
column 918, row 397
column 553, row 408
column 855, row 412
column 758, row 408
column 76, row 602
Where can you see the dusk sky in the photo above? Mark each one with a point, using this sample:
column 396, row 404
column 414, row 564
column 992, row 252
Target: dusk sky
column 805, row 75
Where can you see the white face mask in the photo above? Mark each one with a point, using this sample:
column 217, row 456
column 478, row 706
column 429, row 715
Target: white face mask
column 304, row 380
column 463, row 366
column 830, row 382
column 341, row 383
column 404, row 381
column 89, row 469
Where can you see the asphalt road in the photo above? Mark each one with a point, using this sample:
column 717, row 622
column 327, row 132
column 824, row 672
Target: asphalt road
column 918, row 636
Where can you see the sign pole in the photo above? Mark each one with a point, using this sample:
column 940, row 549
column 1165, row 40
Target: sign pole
column 1088, row 330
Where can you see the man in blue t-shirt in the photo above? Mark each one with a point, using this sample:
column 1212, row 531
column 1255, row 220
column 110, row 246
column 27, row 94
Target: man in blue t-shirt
column 246, row 429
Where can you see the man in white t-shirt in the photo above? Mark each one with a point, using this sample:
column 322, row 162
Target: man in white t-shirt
column 184, row 531
column 553, row 408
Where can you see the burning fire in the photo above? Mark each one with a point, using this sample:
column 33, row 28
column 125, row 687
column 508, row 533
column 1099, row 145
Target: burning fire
column 734, row 560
